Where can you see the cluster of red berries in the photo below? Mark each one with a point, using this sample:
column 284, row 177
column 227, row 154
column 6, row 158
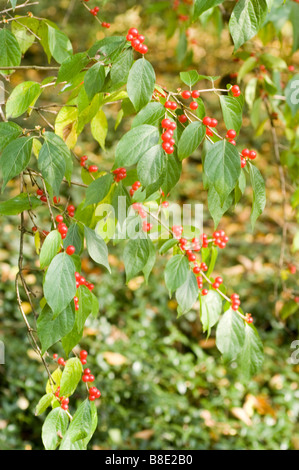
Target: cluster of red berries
column 60, row 360
column 42, row 195
column 220, row 239
column 81, row 281
column 167, row 135
column 177, row 231
column 248, row 318
column 217, row 283
column 61, row 227
column 146, row 226
column 186, row 95
column 235, row 298
column 120, row 174
column 204, row 239
column 247, row 154
column 87, row 377
column 94, row 11
column 170, row 105
column 106, row 25
column 137, row 206
column 64, row 402
column 235, row 90
column 137, row 41
column 231, row 135
column 90, row 168
column 134, row 188
column 71, row 210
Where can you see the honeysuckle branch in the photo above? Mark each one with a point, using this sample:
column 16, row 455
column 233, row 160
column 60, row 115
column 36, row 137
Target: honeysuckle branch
column 20, row 276
column 224, row 296
column 17, row 7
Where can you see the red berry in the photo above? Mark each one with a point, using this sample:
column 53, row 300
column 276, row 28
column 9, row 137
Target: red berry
column 182, row 118
column 166, row 123
column 193, row 105
column 205, row 292
column 39, row 192
column 133, row 32
column 186, row 94
column 143, row 49
column 195, row 94
column 206, row 121
column 70, row 250
column 252, row 155
column 59, row 218
column 83, row 354
column 231, row 134
column 56, row 200
column 85, row 378
column 92, row 169
column 61, row 361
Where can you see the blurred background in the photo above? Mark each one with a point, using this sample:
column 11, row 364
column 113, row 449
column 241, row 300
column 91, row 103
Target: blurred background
column 163, row 383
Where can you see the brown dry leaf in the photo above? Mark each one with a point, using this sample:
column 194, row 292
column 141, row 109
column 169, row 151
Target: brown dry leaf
column 117, row 335
column 207, row 343
column 263, row 407
column 145, row 434
column 114, row 359
column 241, row 414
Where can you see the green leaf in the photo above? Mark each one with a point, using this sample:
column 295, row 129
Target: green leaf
column 9, row 131
column 55, row 381
column 246, row 20
column 50, row 248
column 98, row 189
column 151, row 167
column 22, row 202
column 214, row 205
column 152, row 114
column 190, row 78
column 99, row 128
column 15, row 158
column 43, row 404
column 60, row 284
column 176, row 272
column 108, row 48
column 134, row 144
column 94, row 80
column 22, row 98
column 50, row 330
column 82, row 422
column 251, row 356
column 191, row 138
column 71, row 66
column 74, row 237
column 200, row 6
column 136, row 255
column 232, row 109
column 222, row 167
column 168, row 245
column 172, row 173
column 150, row 262
column 141, row 83
column 230, row 335
column 259, row 193
column 22, row 29
column 187, row 294
column 54, row 428
column 210, row 310
column 10, row 52
column 53, row 159
column 96, row 247
column 86, row 306
column 120, row 68
column 60, row 46
column 71, row 376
